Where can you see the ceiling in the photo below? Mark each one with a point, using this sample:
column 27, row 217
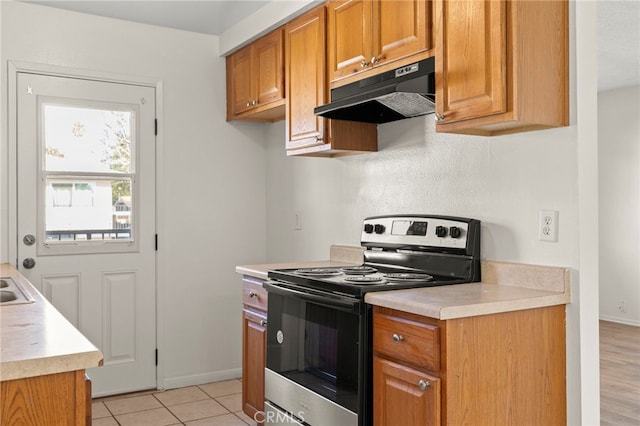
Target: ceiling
column 201, row 16
column 618, row 26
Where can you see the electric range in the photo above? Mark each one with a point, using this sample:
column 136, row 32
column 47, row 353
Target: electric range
column 319, row 332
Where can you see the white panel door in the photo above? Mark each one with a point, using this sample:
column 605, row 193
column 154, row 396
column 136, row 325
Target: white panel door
column 86, row 215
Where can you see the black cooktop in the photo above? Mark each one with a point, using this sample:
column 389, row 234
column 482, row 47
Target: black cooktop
column 358, row 280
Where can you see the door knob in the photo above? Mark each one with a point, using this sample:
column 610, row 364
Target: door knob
column 29, row 263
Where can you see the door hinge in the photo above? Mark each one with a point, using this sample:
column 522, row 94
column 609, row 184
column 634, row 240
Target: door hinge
column 155, row 130
column 156, row 242
column 156, row 357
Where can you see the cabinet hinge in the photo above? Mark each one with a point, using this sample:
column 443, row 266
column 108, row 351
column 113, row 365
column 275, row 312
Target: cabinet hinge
column 155, row 130
column 156, row 242
column 156, row 357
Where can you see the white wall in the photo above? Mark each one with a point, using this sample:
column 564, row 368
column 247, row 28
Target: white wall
column 211, row 195
column 503, row 181
column 619, row 171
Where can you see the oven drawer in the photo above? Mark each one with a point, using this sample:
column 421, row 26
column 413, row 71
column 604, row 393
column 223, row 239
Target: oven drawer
column 253, row 294
column 404, row 339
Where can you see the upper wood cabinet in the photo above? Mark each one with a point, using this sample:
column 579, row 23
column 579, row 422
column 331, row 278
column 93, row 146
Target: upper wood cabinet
column 255, row 80
column 501, row 66
column 307, row 87
column 372, row 34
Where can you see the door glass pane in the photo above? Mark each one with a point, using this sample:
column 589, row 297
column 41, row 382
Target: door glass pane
column 88, row 210
column 88, row 172
column 80, row 139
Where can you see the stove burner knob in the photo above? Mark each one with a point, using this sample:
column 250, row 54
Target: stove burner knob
column 379, row 229
column 441, row 231
column 455, row 232
column 368, row 228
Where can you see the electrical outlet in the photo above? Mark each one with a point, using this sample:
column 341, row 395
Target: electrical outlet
column 621, row 307
column 548, row 225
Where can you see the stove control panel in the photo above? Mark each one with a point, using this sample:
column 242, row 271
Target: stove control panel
column 425, row 231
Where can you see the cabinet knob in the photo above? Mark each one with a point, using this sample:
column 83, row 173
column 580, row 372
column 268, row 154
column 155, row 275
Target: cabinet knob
column 252, row 294
column 439, row 117
column 375, row 60
column 397, row 337
column 248, row 103
column 423, row 384
column 263, row 322
column 254, row 102
column 364, row 64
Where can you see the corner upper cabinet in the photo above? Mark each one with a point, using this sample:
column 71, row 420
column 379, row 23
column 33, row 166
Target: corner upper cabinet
column 307, row 87
column 364, row 35
column 502, row 66
column 255, row 80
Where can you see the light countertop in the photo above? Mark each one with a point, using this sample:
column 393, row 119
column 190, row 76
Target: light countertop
column 35, row 339
column 505, row 287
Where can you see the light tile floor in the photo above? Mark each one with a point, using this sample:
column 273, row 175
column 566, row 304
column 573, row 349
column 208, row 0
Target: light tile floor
column 211, row 404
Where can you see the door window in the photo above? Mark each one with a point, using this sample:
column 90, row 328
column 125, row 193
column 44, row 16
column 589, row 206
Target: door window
column 88, row 168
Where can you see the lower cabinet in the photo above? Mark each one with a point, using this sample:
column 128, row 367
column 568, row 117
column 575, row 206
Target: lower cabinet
column 53, row 399
column 504, row 368
column 254, row 340
column 403, row 395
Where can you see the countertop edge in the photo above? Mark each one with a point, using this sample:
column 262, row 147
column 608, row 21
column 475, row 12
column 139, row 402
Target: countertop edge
column 22, row 369
column 419, row 302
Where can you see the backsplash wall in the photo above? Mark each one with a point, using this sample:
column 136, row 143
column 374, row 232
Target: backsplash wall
column 503, row 181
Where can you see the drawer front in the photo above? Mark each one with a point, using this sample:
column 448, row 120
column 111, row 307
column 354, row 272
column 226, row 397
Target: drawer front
column 253, row 294
column 410, row 341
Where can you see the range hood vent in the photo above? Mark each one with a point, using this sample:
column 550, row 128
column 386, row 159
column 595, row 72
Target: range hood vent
column 405, row 92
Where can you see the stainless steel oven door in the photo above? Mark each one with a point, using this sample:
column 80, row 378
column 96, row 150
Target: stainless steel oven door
column 313, row 354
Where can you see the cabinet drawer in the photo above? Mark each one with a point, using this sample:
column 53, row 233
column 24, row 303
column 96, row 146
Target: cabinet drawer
column 410, row 341
column 253, row 294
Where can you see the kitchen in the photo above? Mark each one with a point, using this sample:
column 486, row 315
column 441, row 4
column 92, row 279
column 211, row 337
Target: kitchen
column 248, row 191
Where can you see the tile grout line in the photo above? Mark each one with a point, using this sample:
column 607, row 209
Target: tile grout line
column 167, row 408
column 154, row 393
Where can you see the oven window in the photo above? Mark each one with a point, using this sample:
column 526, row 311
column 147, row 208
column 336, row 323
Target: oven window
column 317, row 347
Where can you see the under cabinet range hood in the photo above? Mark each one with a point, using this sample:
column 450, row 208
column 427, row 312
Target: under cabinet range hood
column 405, row 92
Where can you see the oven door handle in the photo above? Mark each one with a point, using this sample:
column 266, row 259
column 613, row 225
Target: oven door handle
column 344, row 304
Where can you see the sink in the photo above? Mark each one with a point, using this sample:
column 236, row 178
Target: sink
column 12, row 293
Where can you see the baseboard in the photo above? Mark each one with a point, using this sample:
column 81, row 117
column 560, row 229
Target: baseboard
column 200, row 379
column 620, row 320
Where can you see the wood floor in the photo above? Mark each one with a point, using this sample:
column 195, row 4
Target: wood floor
column 619, row 374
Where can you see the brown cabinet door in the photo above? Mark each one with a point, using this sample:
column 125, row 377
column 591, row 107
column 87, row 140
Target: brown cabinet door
column 349, row 37
column 240, row 86
column 52, row 399
column 254, row 339
column 471, row 59
column 305, row 79
column 268, row 68
column 404, row 396
column 400, row 29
